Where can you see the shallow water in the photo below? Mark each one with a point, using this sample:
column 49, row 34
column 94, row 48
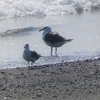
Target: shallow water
column 16, row 32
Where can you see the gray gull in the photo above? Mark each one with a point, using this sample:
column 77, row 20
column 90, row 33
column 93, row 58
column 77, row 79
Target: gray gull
column 30, row 56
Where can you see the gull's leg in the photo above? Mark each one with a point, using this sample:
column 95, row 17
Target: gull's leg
column 51, row 50
column 31, row 64
column 30, row 67
column 28, row 63
column 56, row 51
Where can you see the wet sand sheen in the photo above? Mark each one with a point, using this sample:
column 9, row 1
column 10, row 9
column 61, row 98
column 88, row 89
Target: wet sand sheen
column 76, row 80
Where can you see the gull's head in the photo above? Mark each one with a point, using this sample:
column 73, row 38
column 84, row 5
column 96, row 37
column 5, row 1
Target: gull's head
column 26, row 46
column 46, row 29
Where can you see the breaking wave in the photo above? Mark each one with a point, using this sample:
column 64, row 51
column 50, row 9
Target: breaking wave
column 17, row 31
column 19, row 8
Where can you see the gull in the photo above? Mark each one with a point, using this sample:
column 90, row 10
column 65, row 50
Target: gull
column 30, row 56
column 53, row 39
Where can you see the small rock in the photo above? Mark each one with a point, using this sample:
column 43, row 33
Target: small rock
column 44, row 71
column 3, row 89
column 71, row 82
column 5, row 98
column 39, row 94
column 33, row 96
column 54, row 96
column 22, row 73
column 3, row 72
column 47, row 93
column 91, row 73
column 38, row 88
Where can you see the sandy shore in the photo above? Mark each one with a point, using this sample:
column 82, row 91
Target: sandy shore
column 79, row 80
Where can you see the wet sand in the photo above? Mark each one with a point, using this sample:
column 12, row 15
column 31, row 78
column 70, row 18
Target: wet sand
column 78, row 80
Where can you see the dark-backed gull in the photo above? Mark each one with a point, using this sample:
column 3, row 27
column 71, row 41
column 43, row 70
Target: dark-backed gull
column 53, row 39
column 30, row 56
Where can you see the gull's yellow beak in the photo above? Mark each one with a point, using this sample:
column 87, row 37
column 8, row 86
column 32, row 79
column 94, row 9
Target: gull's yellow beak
column 40, row 30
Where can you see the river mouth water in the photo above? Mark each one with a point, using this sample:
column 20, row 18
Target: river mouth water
column 83, row 28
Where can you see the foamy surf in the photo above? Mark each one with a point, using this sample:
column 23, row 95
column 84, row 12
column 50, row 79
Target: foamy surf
column 16, row 31
column 19, row 8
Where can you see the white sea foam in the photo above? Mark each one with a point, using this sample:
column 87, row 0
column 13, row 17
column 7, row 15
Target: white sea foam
column 13, row 8
column 16, row 31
